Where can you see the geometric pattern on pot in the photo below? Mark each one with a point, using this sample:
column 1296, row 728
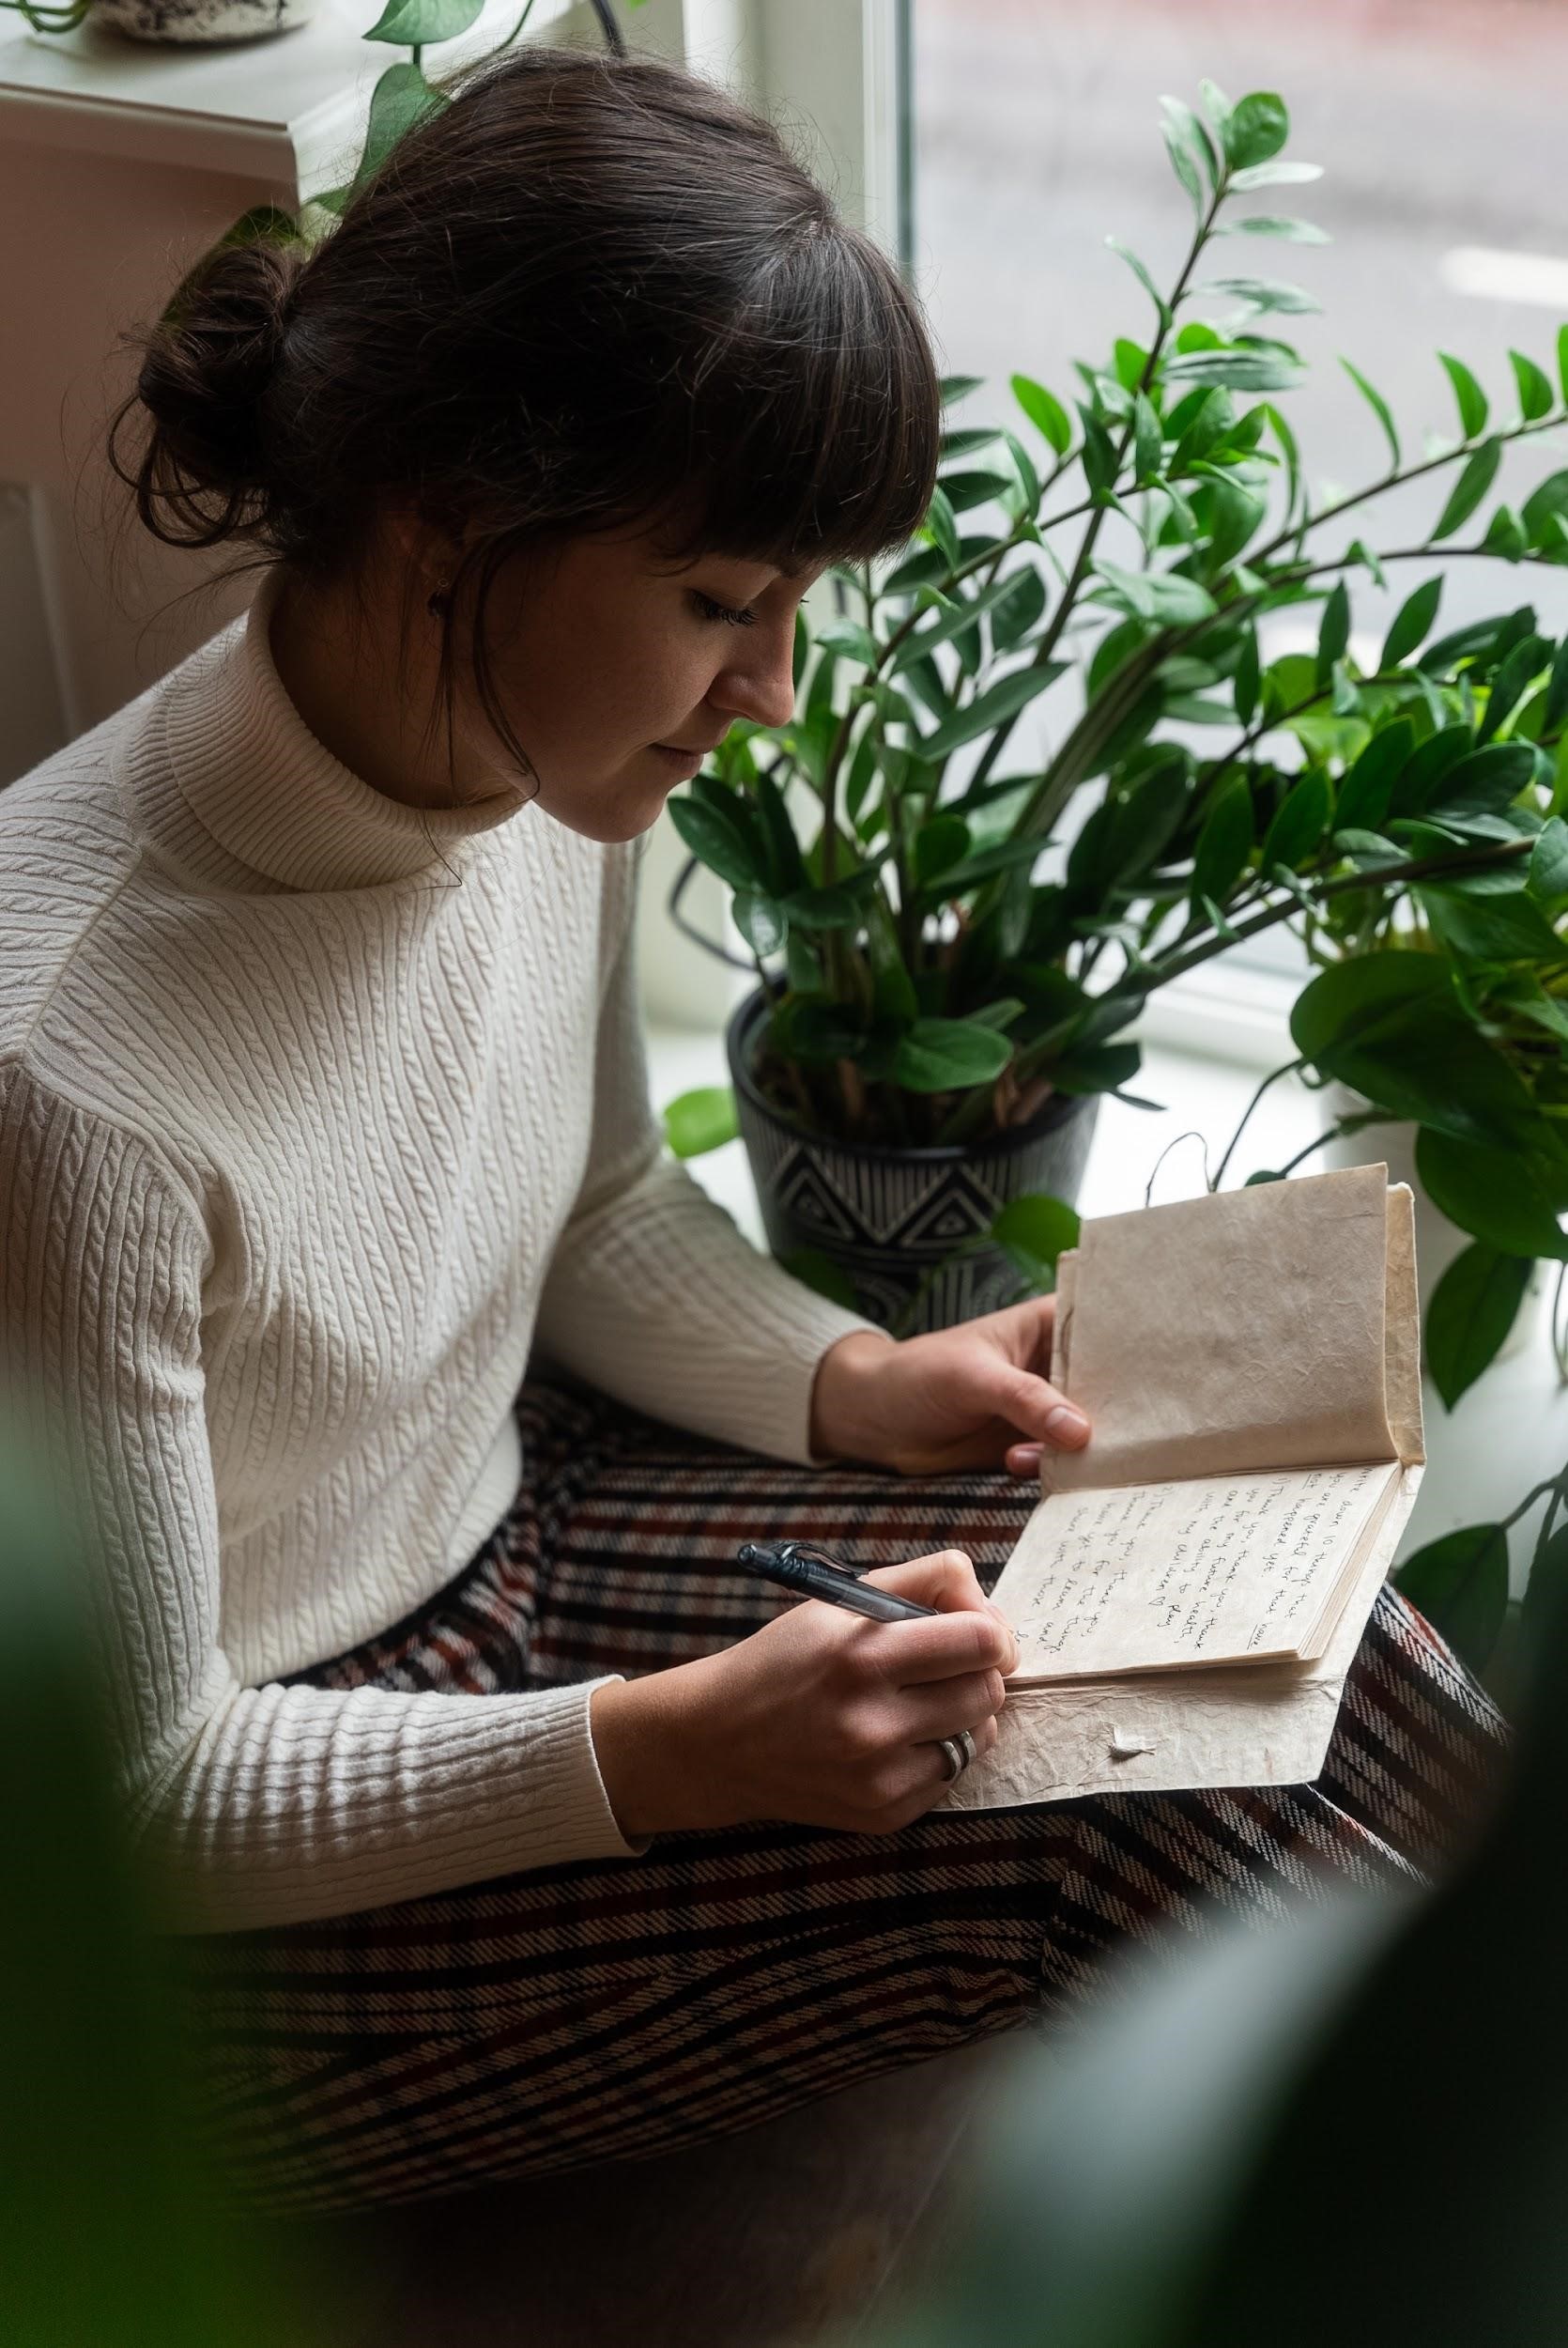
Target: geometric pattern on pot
column 885, row 1203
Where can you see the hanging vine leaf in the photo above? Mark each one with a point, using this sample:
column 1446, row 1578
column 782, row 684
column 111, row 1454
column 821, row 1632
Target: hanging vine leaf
column 1473, row 1307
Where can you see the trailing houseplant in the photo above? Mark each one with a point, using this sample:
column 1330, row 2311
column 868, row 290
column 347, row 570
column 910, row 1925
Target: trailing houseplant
column 951, row 943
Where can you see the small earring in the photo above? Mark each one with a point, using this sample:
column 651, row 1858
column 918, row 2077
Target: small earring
column 439, row 603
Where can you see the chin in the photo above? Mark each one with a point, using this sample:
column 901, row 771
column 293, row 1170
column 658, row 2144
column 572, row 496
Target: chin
column 612, row 818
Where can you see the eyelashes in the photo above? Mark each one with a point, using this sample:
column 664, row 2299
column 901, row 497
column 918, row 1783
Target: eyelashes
column 732, row 618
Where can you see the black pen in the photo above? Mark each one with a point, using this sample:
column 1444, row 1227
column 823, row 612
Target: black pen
column 812, row 1573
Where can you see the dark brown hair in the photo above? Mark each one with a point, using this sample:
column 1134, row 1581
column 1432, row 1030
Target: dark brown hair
column 590, row 290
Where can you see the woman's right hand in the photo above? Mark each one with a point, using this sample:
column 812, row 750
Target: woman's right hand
column 821, row 1717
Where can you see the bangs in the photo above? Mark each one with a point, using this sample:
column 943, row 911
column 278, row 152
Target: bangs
column 808, row 431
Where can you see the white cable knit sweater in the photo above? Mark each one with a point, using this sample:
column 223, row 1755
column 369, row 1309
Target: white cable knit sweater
column 317, row 1111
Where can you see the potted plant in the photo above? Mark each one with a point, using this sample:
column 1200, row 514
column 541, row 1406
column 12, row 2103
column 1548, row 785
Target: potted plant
column 953, row 947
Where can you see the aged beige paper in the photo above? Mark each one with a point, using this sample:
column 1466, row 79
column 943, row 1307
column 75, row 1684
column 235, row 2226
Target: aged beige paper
column 1199, row 1336
column 1206, row 1570
column 1243, row 1330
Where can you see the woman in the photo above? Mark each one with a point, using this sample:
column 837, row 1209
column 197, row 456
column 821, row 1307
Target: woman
column 507, row 1825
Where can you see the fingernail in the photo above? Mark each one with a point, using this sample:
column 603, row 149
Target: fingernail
column 1064, row 1425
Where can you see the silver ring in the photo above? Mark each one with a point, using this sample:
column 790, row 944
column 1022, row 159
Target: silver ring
column 957, row 1753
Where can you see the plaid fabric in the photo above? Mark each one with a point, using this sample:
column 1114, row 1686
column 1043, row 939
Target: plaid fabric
column 609, row 2010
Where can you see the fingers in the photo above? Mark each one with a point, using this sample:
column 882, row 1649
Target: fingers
column 943, row 1707
column 967, row 1634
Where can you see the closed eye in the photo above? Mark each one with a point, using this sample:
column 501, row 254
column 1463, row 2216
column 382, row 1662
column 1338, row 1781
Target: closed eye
column 726, row 612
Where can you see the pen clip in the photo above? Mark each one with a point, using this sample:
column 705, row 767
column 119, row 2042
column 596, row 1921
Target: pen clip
column 806, row 1552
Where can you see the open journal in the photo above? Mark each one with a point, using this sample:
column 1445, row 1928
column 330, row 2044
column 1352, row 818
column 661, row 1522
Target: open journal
column 1190, row 1590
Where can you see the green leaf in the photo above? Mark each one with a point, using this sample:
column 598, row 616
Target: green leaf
column 1379, row 408
column 993, row 707
column 401, row 98
column 1300, row 821
column 719, row 841
column 1257, row 128
column 786, row 864
column 1162, row 596
column 1505, row 535
column 1557, row 691
column 1484, row 784
column 1490, row 928
column 1039, row 1224
column 411, row 24
column 832, row 908
column 1182, row 164
column 1276, row 225
column 1238, row 370
column 943, row 529
column 1017, row 608
column 1188, row 126
column 1148, row 441
column 1334, row 633
column 1096, row 1068
column 980, row 485
column 1390, row 1025
column 1045, row 412
column 957, row 387
column 1548, row 499
column 1412, row 623
column 1473, row 1309
column 1471, row 487
column 1224, row 843
column 1509, row 1199
column 1278, row 174
column 850, row 638
column 1562, row 359
column 1535, row 387
column 814, row 1270
column 1548, row 864
column 940, row 843
column 946, row 1055
column 963, row 613
column 761, row 921
column 1460, row 1583
column 1471, row 399
column 695, row 1122
column 1141, row 274
column 1264, row 294
column 1367, row 790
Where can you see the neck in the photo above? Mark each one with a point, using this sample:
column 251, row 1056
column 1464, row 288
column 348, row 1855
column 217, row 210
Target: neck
column 368, row 697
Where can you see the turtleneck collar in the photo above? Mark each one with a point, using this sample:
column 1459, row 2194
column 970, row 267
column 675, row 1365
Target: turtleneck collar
column 230, row 785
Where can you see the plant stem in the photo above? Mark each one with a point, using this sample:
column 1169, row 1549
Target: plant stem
column 1273, row 1077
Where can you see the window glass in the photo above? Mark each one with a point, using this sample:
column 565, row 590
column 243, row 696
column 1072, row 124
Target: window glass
column 1035, row 134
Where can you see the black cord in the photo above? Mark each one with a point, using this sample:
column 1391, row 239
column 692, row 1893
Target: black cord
column 720, row 953
column 615, row 40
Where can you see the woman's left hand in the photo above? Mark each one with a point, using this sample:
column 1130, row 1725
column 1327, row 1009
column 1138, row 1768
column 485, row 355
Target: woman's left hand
column 973, row 1396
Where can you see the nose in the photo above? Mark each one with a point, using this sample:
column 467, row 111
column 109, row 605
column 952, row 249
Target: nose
column 758, row 682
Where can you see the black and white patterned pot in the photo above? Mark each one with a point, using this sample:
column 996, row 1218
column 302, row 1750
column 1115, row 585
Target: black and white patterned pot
column 887, row 1217
column 204, row 22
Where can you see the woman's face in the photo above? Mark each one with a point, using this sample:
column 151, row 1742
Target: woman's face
column 620, row 673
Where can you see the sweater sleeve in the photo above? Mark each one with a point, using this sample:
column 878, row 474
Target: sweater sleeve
column 653, row 1293
column 261, row 1805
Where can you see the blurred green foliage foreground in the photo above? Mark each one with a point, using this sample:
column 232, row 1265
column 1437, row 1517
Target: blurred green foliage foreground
column 1349, row 2126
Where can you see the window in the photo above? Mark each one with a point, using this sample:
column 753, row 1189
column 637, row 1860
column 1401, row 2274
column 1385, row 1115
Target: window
column 1032, row 131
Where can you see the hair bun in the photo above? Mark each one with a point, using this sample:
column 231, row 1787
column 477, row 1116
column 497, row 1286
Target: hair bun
column 209, row 366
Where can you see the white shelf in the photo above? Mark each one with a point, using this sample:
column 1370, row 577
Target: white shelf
column 289, row 108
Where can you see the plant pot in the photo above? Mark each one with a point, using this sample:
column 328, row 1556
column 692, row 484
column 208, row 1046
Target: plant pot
column 204, row 22
column 1438, row 1240
column 887, row 1217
